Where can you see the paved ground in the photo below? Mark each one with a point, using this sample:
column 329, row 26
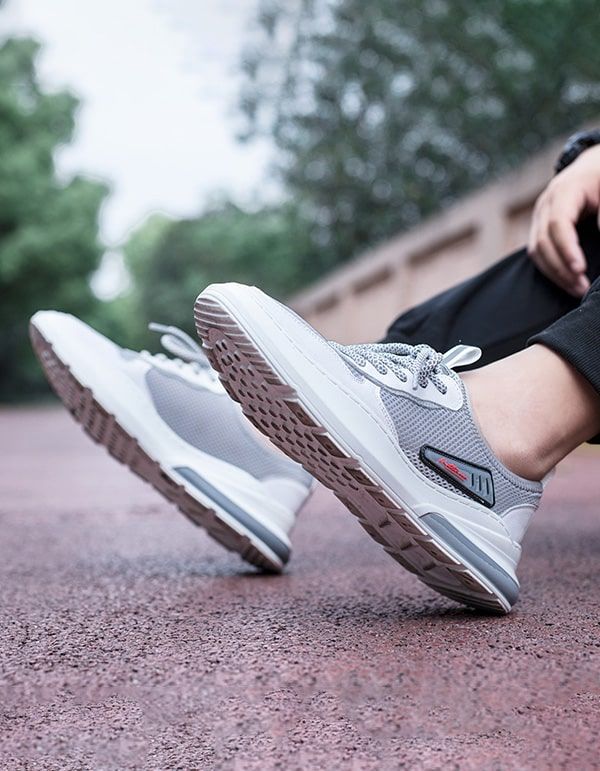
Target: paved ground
column 131, row 641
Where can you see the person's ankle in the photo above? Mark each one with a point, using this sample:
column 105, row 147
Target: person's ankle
column 506, row 430
column 521, row 458
column 533, row 408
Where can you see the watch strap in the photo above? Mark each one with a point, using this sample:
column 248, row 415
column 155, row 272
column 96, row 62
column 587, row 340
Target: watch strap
column 574, row 146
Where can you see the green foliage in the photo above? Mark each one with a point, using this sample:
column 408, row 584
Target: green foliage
column 172, row 261
column 382, row 113
column 48, row 229
column 386, row 111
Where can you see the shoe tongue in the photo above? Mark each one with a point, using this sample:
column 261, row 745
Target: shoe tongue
column 461, row 356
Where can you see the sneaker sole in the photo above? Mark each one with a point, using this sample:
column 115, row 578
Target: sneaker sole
column 104, row 428
column 276, row 409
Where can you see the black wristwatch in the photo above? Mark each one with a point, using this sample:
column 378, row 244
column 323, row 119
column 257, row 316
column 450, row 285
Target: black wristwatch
column 574, row 146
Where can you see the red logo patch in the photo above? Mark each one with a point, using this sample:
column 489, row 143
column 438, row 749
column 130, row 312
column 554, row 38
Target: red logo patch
column 453, row 469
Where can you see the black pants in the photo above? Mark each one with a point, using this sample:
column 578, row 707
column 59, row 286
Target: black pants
column 510, row 305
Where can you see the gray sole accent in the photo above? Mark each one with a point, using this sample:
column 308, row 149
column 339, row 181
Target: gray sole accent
column 472, row 555
column 247, row 520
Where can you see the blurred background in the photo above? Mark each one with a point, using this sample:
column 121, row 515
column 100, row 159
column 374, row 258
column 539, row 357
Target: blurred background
column 149, row 147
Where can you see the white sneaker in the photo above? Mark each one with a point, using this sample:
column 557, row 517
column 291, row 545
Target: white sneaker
column 172, row 423
column 389, row 429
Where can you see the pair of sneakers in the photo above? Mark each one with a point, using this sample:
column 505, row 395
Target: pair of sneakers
column 388, row 428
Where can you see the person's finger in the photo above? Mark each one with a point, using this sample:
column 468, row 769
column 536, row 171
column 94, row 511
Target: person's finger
column 553, row 268
column 581, row 285
column 556, row 252
column 549, row 260
column 564, row 238
column 533, row 237
column 550, row 263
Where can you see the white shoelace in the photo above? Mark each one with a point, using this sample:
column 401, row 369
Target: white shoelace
column 421, row 361
column 183, row 348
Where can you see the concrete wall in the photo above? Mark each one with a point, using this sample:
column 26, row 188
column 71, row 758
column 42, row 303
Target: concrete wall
column 357, row 302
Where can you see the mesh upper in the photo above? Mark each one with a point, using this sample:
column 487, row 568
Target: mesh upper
column 419, row 423
column 214, row 424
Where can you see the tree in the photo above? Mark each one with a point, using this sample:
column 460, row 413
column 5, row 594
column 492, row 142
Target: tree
column 48, row 229
column 171, row 261
column 384, row 112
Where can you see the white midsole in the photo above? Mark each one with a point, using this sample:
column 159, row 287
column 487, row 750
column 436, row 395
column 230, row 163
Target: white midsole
column 368, row 439
column 118, row 393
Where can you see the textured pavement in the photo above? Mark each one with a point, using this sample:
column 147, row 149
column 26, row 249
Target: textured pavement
column 129, row 640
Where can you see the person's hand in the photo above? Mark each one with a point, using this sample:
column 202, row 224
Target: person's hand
column 553, row 243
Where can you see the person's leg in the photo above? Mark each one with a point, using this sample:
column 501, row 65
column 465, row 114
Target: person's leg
column 538, row 405
column 497, row 310
column 576, row 337
column 535, row 407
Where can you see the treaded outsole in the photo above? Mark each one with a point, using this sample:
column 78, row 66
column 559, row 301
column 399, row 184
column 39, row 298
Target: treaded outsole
column 105, row 429
column 276, row 409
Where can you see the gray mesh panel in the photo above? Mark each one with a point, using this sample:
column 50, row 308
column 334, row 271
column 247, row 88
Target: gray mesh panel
column 455, row 433
column 214, row 424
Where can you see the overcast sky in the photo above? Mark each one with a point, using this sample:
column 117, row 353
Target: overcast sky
column 158, row 83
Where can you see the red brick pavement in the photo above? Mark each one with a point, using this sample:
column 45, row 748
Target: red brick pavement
column 129, row 640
